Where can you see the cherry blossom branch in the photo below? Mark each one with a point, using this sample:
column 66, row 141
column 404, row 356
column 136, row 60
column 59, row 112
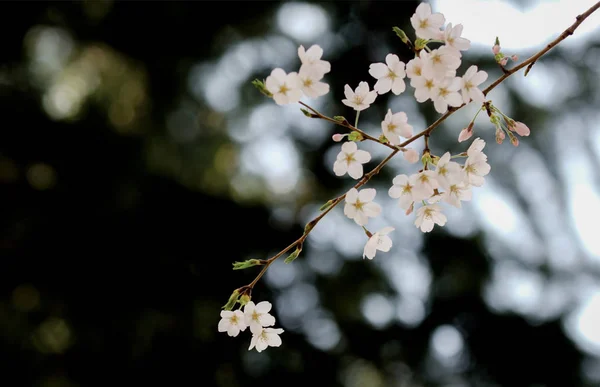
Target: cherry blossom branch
column 344, row 123
column 531, row 61
column 246, row 289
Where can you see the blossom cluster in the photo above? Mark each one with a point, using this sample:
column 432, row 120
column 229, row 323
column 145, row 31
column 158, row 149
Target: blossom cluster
column 432, row 73
column 258, row 319
column 290, row 87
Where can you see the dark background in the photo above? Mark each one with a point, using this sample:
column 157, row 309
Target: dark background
column 118, row 231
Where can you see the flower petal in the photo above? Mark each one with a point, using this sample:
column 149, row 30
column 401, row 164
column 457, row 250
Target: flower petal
column 378, row 70
column 367, row 194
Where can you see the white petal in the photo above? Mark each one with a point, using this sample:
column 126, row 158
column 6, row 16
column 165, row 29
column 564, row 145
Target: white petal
column 385, row 230
column 361, row 219
column 479, row 78
column 378, row 70
column 350, row 210
column 263, row 307
column 348, row 92
column 369, row 250
column 233, row 330
column 477, row 95
column 385, row 244
column 340, row 168
column 279, row 75
column 427, row 225
column 367, row 194
column 349, row 147
column 400, row 180
column 398, row 86
column 315, row 52
column 249, row 308
column 266, row 320
column 223, row 325
column 372, row 209
column 352, row 195
column 395, row 192
column 383, row 86
column 362, row 156
column 440, row 105
column 253, row 342
column 355, row 170
column 454, row 99
column 273, row 340
column 370, row 97
column 362, row 89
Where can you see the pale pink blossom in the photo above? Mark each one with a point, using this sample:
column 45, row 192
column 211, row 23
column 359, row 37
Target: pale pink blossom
column 395, row 126
column 390, row 75
column 350, row 160
column 427, row 25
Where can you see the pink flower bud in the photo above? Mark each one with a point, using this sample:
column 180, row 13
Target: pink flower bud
column 514, row 140
column 500, row 136
column 411, row 208
column 338, row 137
column 522, row 129
column 496, row 49
column 411, row 156
column 466, row 133
column 514, row 57
column 504, row 61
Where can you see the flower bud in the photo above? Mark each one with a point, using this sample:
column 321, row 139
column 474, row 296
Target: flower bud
column 513, row 139
column 521, row 129
column 496, row 49
column 411, row 155
column 500, row 136
column 338, row 137
column 514, row 57
column 466, row 133
column 504, row 61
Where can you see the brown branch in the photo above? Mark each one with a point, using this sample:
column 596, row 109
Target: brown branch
column 347, row 125
column 310, row 226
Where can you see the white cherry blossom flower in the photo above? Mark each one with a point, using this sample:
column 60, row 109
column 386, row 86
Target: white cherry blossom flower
column 429, row 215
column 390, row 75
column 456, row 192
column 264, row 338
column 257, row 316
column 476, row 147
column 378, row 241
column 425, row 183
column 310, row 82
column 424, row 85
column 312, row 58
column 448, row 171
column 446, row 94
column 469, row 85
column 427, row 25
column 350, row 160
column 452, row 38
column 414, row 68
column 403, row 190
column 395, row 126
column 360, row 206
column 444, row 61
column 360, row 99
column 284, row 87
column 232, row 322
column 476, row 167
